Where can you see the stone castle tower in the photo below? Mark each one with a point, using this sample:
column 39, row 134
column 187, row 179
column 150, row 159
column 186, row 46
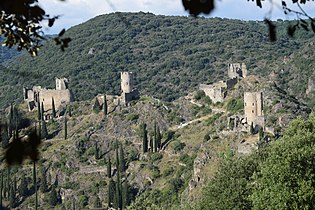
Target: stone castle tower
column 61, row 84
column 126, row 82
column 237, row 70
column 129, row 93
column 253, row 106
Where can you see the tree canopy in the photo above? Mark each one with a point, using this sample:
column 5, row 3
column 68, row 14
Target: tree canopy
column 21, row 22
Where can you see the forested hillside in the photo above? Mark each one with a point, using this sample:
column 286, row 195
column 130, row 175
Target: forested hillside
column 169, row 55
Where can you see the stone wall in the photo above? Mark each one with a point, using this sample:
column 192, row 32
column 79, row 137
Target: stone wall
column 237, row 70
column 126, row 82
column 61, row 97
column 216, row 91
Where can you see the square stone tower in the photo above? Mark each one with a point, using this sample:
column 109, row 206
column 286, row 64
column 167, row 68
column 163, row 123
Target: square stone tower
column 61, row 84
column 253, row 106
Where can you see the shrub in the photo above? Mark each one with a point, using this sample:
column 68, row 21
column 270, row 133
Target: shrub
column 156, row 156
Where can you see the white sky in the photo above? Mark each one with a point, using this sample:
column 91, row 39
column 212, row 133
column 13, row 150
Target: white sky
column 74, row 12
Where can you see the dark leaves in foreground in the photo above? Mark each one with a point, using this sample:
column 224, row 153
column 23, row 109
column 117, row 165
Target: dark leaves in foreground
column 195, row 7
column 22, row 148
column 272, row 30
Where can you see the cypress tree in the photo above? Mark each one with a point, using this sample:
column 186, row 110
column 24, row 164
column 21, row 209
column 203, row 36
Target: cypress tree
column 155, row 138
column 43, row 180
column 105, row 105
column 1, row 189
column 97, row 152
column 118, row 181
column 42, row 112
column 35, row 184
column 125, row 200
column 12, row 197
column 69, row 110
column 121, row 159
column 109, row 168
column 23, row 186
column 44, row 132
column 38, row 110
column 97, row 106
column 5, row 137
column 145, row 138
column 10, row 121
column 53, row 197
column 53, row 107
column 66, row 129
column 111, row 193
column 159, row 137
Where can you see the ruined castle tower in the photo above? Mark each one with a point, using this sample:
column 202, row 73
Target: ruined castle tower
column 253, row 106
column 129, row 93
column 126, row 82
column 61, row 84
column 237, row 70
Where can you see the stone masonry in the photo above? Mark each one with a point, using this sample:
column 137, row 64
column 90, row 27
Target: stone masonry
column 253, row 106
column 128, row 93
column 61, row 95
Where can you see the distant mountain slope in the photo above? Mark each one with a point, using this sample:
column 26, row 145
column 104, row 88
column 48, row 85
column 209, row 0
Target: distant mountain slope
column 168, row 54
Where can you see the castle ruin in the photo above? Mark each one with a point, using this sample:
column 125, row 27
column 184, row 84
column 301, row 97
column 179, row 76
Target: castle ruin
column 128, row 92
column 61, row 95
column 217, row 92
column 253, row 107
column 237, row 70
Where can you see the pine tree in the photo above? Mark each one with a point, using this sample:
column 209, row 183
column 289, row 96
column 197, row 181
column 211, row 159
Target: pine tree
column 66, row 129
column 43, row 180
column 111, row 193
column 53, row 107
column 23, row 191
column 145, row 138
column 109, row 168
column 159, row 138
column 97, row 106
column 44, row 132
column 105, row 108
column 121, row 159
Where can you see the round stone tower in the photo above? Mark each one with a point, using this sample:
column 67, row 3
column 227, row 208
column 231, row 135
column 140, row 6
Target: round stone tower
column 126, row 82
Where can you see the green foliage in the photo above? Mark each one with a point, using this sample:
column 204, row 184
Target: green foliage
column 178, row 146
column 53, row 107
column 109, row 168
column 235, row 105
column 96, row 106
column 278, row 176
column 43, row 180
column 54, row 198
column 44, row 132
column 145, row 138
column 199, row 95
column 156, row 156
column 213, row 118
column 83, row 201
column 132, row 117
column 181, row 44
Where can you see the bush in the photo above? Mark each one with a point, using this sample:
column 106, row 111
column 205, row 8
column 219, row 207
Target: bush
column 167, row 171
column 132, row 117
column 235, row 105
column 156, row 156
column 178, row 146
column 199, row 95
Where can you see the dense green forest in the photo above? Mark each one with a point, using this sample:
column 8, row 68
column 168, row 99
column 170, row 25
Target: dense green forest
column 169, row 55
